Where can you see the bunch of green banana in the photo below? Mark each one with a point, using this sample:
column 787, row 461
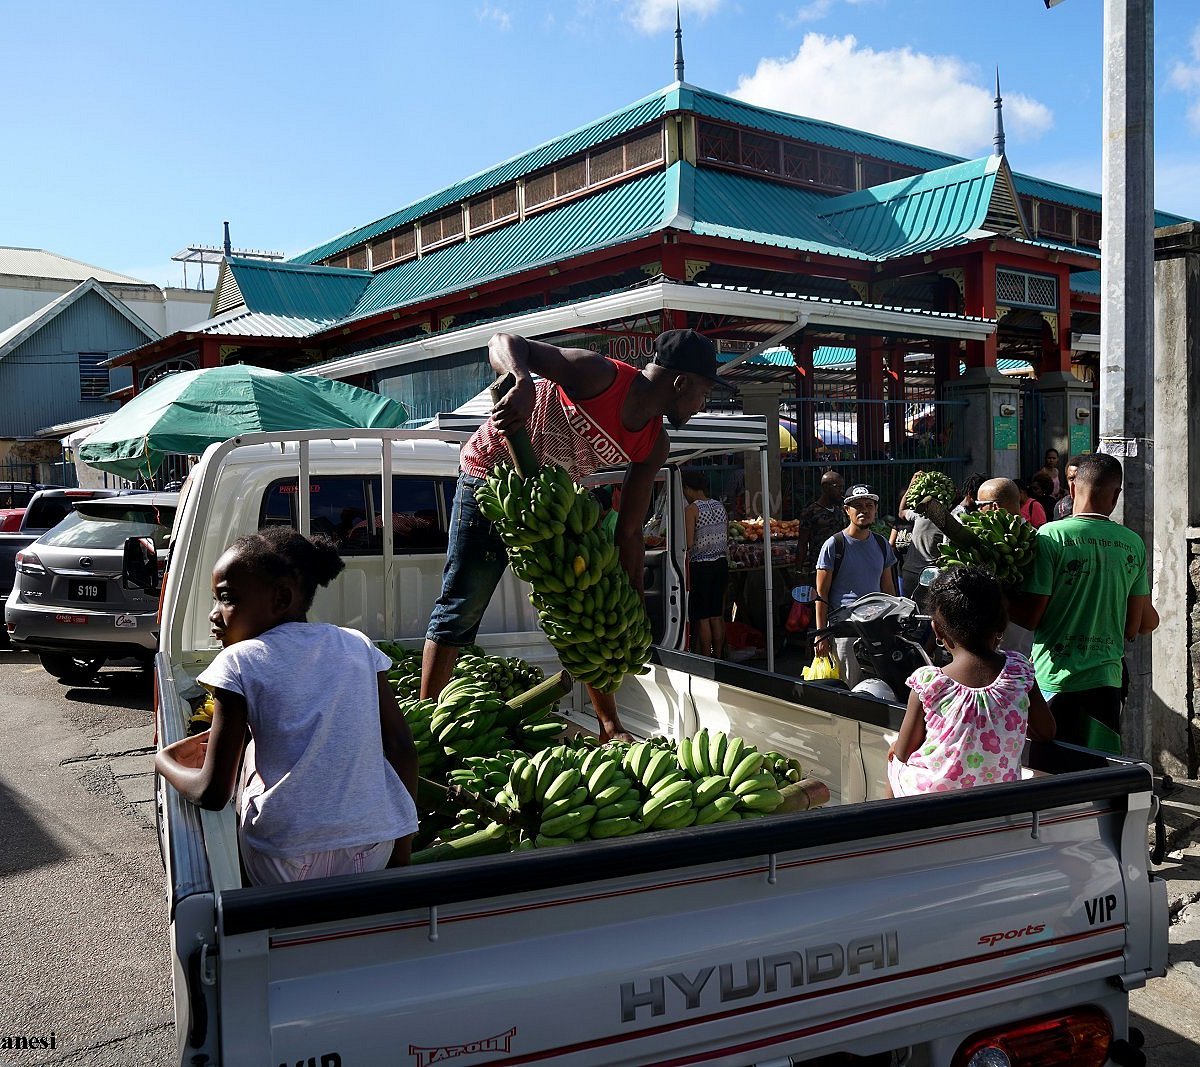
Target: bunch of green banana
column 669, row 800
column 549, row 794
column 1007, row 546
column 732, row 778
column 484, row 776
column 585, row 603
column 404, row 675
column 470, row 720
column 506, row 675
column 418, row 714
column 932, row 483
column 787, row 771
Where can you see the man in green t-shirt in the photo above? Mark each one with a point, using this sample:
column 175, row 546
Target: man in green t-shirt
column 1087, row 595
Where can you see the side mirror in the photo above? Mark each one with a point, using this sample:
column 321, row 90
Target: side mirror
column 928, row 575
column 139, row 564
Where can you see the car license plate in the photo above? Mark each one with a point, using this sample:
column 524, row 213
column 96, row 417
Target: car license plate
column 87, row 590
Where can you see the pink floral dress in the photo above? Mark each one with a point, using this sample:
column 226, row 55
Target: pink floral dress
column 972, row 736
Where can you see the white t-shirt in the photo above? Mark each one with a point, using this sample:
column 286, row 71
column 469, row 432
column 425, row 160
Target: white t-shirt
column 322, row 781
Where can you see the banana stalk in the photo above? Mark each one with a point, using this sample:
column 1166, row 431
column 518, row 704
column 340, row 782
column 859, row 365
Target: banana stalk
column 937, row 513
column 516, row 438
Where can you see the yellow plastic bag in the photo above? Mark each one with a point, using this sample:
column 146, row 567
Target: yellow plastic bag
column 821, row 668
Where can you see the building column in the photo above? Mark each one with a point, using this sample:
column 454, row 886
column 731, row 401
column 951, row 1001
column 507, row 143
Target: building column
column 979, row 299
column 1174, row 563
column 896, row 397
column 806, row 416
column 985, row 430
column 1066, row 414
column 762, row 398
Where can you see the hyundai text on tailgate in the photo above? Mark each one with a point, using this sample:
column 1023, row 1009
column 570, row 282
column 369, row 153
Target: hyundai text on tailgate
column 1001, row 924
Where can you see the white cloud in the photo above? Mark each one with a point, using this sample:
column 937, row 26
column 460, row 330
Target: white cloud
column 494, row 14
column 1186, row 78
column 654, row 16
column 936, row 101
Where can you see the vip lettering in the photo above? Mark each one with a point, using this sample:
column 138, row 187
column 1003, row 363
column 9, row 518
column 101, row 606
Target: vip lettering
column 426, row 1055
column 760, row 975
column 23, row 1043
column 1100, row 909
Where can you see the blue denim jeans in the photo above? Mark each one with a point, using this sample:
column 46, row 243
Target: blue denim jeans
column 475, row 562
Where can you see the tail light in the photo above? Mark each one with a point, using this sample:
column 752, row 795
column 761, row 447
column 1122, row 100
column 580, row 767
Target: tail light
column 1077, row 1039
column 28, row 563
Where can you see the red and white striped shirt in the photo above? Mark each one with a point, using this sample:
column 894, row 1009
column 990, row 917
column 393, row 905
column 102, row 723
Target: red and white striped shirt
column 583, row 436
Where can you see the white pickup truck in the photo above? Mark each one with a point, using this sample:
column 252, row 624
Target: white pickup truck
column 922, row 931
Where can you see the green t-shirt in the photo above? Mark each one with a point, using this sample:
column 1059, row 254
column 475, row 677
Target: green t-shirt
column 1089, row 568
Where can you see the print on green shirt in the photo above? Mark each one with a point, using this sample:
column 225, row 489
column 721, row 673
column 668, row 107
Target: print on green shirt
column 1089, row 568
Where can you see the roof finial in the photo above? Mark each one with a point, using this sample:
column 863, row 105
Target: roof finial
column 678, row 46
column 998, row 136
column 228, row 245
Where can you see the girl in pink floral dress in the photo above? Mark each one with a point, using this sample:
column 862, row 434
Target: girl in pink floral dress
column 966, row 724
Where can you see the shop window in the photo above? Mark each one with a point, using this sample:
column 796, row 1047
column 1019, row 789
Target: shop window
column 93, row 378
column 348, row 509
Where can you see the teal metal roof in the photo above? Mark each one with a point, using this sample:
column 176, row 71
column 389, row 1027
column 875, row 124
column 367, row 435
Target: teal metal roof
column 743, row 208
column 726, row 109
column 1077, row 198
column 620, row 213
column 627, row 119
column 324, row 294
column 916, row 214
column 1085, row 281
column 825, row 357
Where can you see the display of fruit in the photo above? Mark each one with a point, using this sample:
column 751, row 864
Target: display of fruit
column 1003, row 543
column 570, row 793
column 752, row 529
column 586, row 605
column 935, row 484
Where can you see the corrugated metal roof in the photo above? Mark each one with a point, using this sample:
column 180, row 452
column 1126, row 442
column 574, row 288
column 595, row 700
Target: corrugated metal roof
column 243, row 323
column 743, row 208
column 1085, row 281
column 296, row 291
column 19, row 332
column 37, row 263
column 916, row 214
column 1041, row 189
column 620, row 213
column 615, row 124
column 726, row 109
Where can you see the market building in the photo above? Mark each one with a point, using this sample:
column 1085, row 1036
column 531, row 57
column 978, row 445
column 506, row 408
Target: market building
column 888, row 302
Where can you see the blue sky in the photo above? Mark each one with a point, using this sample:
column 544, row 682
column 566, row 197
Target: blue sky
column 133, row 129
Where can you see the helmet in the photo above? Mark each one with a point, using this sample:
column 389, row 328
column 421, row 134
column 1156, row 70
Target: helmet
column 875, row 687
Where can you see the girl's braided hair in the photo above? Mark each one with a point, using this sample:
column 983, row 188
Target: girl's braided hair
column 280, row 552
column 970, row 603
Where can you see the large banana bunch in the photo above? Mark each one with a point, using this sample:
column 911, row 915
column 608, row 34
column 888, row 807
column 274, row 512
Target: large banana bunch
column 1007, row 546
column 418, row 714
column 506, row 675
column 934, row 484
column 470, row 720
column 732, row 779
column 585, row 602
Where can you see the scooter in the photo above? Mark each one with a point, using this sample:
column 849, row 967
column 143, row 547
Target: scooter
column 886, row 646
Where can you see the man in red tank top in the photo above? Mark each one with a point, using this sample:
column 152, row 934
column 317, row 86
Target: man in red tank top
column 587, row 412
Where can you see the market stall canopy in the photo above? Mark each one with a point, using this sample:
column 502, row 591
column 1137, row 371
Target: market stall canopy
column 184, row 413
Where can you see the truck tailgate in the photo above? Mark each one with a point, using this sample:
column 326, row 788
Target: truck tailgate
column 729, row 944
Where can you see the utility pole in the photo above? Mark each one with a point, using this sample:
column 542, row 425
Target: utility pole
column 1127, row 301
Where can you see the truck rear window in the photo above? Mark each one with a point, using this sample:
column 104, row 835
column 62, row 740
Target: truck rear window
column 348, row 508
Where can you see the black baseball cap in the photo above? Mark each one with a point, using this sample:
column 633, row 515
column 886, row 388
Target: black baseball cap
column 689, row 352
column 860, row 491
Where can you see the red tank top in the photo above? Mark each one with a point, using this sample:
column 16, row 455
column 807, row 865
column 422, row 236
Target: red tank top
column 581, row 435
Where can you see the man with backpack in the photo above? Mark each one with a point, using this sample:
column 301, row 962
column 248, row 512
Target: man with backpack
column 852, row 563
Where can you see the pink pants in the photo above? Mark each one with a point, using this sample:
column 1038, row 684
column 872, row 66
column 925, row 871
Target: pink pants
column 273, row 870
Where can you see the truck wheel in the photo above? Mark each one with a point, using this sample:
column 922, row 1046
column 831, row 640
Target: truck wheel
column 68, row 668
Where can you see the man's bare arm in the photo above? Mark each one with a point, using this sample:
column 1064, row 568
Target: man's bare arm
column 1140, row 617
column 580, row 372
column 636, row 493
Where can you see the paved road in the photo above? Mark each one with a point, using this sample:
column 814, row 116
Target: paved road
column 83, row 954
column 83, row 951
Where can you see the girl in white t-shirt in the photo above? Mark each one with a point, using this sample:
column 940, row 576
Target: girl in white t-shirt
column 322, row 795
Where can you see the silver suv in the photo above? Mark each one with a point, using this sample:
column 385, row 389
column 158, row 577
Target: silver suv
column 69, row 603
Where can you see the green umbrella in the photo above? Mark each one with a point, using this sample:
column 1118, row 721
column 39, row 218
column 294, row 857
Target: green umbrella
column 184, row 413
